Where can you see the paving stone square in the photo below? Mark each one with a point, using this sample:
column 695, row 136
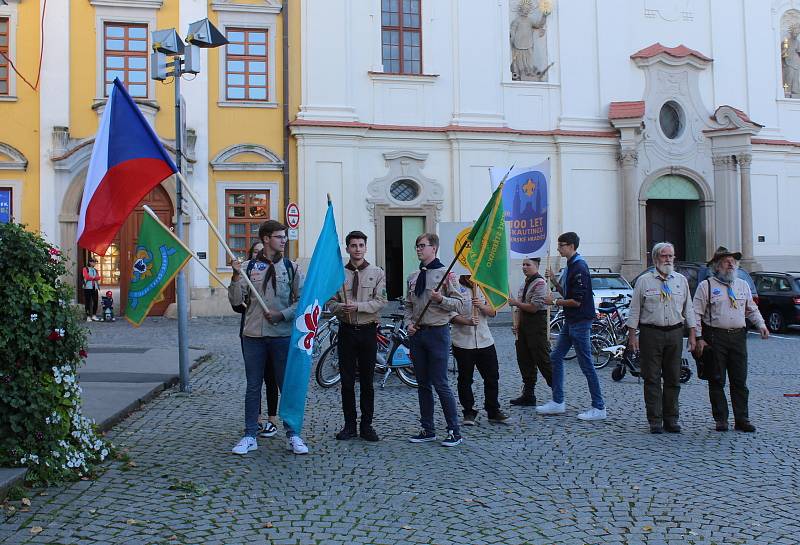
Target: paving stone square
column 535, row 480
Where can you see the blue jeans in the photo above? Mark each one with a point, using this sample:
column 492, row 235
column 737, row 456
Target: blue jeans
column 577, row 334
column 258, row 353
column 430, row 351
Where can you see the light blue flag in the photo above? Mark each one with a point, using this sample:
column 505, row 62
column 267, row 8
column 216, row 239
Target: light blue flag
column 325, row 277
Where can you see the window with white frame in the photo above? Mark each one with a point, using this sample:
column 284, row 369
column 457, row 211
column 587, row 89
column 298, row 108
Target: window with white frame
column 247, row 64
column 5, row 38
column 125, row 57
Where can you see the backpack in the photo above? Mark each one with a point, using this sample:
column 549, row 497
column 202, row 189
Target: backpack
column 241, row 308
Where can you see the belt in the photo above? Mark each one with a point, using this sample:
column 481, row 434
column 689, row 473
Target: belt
column 662, row 327
column 724, row 329
column 358, row 326
column 426, row 326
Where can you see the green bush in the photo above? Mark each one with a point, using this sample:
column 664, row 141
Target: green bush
column 41, row 345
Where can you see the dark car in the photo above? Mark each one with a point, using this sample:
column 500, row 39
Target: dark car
column 778, row 298
column 697, row 272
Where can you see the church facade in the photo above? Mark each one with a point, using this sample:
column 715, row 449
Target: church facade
column 662, row 120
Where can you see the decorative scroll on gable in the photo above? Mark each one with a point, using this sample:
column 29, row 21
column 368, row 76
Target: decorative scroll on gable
column 247, row 157
column 11, row 158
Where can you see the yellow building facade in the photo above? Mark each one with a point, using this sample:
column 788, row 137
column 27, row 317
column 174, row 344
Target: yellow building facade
column 237, row 151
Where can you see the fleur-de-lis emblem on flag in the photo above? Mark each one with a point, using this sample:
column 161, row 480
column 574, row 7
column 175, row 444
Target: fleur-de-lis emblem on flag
column 307, row 324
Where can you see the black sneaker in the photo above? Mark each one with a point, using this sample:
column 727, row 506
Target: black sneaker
column 469, row 418
column 498, row 416
column 452, row 440
column 346, row 433
column 369, row 434
column 424, row 436
column 267, row 429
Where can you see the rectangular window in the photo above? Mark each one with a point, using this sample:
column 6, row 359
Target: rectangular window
column 5, row 205
column 4, row 37
column 401, row 31
column 108, row 264
column 125, row 57
column 246, row 70
column 245, row 211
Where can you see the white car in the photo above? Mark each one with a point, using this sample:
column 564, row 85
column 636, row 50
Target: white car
column 608, row 285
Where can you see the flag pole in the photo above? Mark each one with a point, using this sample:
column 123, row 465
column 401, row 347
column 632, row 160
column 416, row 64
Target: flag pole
column 187, row 188
column 453, row 262
column 183, row 245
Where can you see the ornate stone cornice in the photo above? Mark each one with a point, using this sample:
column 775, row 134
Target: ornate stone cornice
column 722, row 161
column 16, row 159
column 226, row 159
column 628, row 158
column 744, row 160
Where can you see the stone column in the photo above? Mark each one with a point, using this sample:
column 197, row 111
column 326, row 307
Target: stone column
column 744, row 160
column 724, row 198
column 631, row 250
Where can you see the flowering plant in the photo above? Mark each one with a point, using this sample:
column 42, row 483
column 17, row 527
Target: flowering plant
column 41, row 345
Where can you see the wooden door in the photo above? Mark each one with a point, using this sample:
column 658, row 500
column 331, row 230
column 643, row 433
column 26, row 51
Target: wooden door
column 666, row 221
column 159, row 201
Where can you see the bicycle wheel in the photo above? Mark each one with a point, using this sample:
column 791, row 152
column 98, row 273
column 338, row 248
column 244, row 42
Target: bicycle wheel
column 555, row 330
column 325, row 337
column 600, row 358
column 327, row 371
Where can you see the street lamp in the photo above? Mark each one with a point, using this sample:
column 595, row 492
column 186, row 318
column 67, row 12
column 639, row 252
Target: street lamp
column 167, row 43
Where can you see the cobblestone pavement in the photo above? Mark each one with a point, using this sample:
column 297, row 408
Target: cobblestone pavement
column 536, row 480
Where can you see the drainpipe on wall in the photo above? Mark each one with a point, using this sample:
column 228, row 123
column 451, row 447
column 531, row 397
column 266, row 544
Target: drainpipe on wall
column 285, row 19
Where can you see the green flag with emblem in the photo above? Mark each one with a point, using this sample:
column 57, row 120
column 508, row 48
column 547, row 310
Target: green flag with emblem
column 158, row 258
column 487, row 258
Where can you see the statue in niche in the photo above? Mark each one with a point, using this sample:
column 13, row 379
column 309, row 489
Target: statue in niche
column 528, row 36
column 790, row 61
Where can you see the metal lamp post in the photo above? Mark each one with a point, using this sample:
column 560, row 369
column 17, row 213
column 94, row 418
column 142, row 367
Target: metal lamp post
column 185, row 60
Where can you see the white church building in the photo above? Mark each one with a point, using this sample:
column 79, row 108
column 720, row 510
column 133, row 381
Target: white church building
column 663, row 120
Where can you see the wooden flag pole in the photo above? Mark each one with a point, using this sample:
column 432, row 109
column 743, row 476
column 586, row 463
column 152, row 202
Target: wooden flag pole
column 188, row 189
column 183, row 245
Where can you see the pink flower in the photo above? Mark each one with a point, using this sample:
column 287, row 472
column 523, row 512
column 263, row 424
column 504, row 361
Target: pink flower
column 82, row 353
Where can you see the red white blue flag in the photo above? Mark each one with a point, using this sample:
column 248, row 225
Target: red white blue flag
column 127, row 161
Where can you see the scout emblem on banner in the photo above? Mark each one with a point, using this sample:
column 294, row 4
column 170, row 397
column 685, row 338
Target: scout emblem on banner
column 525, row 197
column 157, row 259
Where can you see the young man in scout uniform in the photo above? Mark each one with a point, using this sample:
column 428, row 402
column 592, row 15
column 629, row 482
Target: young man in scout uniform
column 357, row 306
column 721, row 304
column 473, row 346
column 660, row 306
column 430, row 337
column 265, row 337
column 532, row 331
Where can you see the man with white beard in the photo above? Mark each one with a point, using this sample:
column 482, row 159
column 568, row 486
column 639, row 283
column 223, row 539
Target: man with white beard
column 660, row 306
column 721, row 304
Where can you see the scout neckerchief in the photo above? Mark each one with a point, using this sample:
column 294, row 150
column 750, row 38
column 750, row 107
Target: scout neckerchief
column 731, row 295
column 271, row 269
column 528, row 281
column 355, row 270
column 666, row 292
column 419, row 289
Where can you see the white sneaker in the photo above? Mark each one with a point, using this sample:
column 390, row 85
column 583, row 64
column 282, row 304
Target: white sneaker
column 267, row 429
column 245, row 445
column 88, row 318
column 593, row 414
column 297, row 445
column 551, row 407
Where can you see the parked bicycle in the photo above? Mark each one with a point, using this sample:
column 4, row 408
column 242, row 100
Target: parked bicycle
column 599, row 340
column 393, row 356
column 628, row 362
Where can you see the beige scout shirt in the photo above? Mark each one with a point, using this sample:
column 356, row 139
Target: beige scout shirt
column 648, row 307
column 438, row 313
column 535, row 295
column 370, row 299
column 722, row 314
column 284, row 299
column 471, row 336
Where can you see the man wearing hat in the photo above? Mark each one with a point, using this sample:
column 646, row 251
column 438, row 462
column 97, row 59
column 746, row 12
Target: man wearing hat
column 721, row 304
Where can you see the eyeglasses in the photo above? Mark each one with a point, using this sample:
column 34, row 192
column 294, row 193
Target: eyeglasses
column 279, row 237
column 422, row 246
column 562, row 244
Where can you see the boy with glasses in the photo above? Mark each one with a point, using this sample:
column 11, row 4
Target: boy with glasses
column 265, row 337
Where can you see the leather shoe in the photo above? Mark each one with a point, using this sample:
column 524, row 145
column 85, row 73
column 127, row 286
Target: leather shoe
column 722, row 425
column 524, row 401
column 655, row 428
column 672, row 427
column 346, row 433
column 369, row 434
column 745, row 425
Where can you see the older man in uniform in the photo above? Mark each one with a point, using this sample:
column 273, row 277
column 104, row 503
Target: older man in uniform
column 721, row 304
column 660, row 306
column 430, row 337
column 357, row 307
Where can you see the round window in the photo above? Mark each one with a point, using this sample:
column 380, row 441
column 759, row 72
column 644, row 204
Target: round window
column 404, row 190
column 671, row 120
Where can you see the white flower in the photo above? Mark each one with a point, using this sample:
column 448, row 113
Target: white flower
column 104, row 452
column 34, row 317
column 66, row 394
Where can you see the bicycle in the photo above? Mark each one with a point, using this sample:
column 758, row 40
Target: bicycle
column 393, row 356
column 325, row 336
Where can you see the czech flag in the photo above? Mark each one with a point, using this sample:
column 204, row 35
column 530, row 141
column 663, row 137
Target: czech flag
column 127, row 162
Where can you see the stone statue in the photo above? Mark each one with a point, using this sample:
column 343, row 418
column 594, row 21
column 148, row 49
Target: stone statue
column 528, row 35
column 790, row 59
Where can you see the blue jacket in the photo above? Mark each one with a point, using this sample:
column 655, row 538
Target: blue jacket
column 576, row 283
